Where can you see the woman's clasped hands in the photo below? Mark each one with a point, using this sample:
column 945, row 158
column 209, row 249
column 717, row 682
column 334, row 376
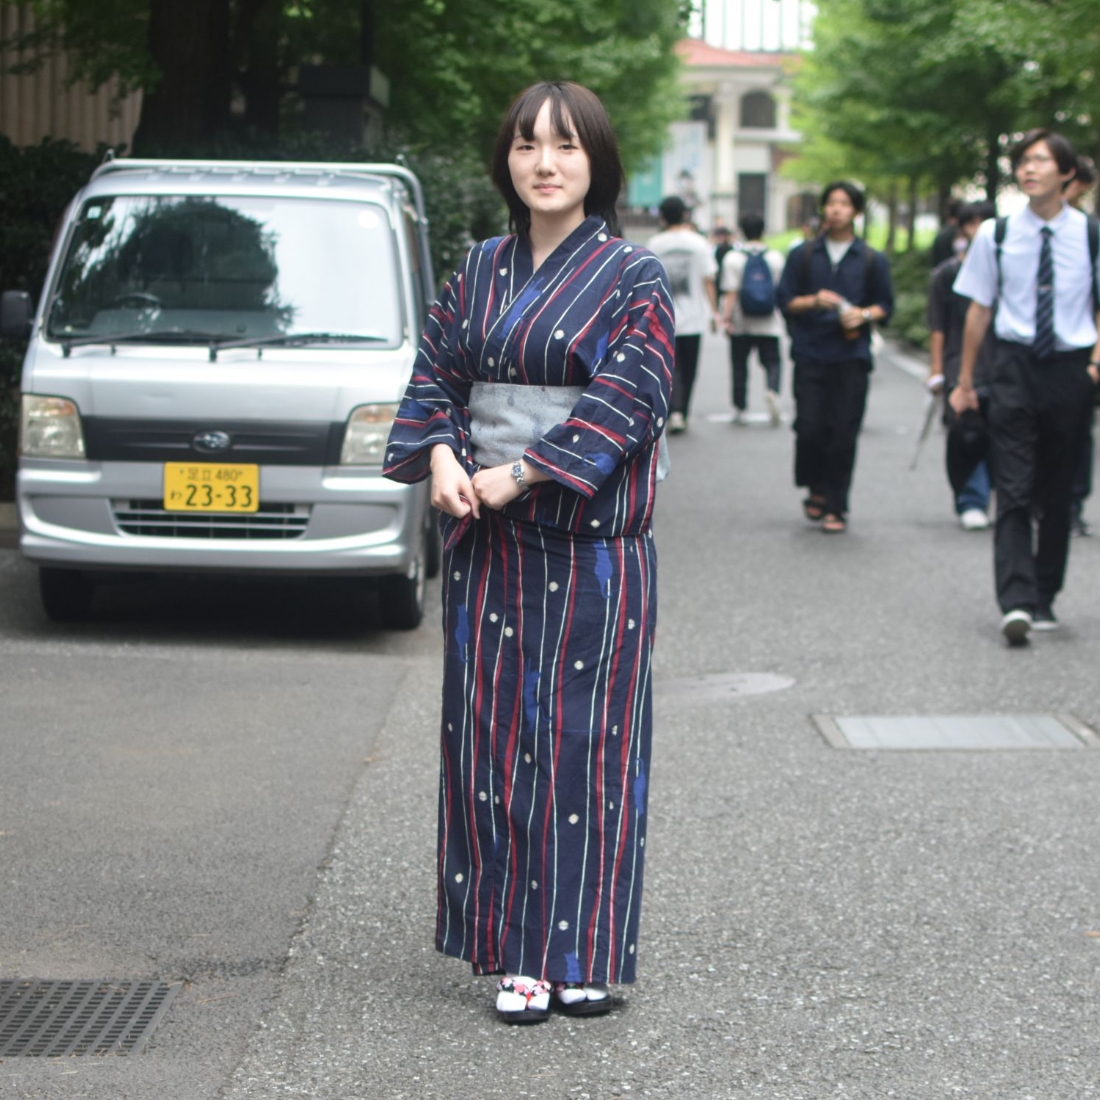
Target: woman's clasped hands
column 458, row 494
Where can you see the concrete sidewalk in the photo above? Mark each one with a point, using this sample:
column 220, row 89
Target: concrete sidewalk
column 818, row 922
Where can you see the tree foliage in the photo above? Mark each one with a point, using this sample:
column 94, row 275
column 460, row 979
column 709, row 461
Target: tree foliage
column 932, row 91
column 453, row 65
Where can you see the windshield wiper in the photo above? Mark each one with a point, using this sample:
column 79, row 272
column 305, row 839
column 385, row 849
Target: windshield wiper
column 295, row 338
column 168, row 336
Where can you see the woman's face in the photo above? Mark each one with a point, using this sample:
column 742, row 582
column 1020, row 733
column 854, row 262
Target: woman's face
column 550, row 172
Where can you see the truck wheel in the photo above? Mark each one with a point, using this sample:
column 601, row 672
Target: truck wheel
column 401, row 599
column 66, row 593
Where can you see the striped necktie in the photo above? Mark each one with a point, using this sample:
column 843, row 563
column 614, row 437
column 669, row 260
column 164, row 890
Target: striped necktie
column 1043, row 345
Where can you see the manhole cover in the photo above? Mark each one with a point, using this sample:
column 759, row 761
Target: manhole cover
column 721, row 685
column 54, row 1019
column 971, row 732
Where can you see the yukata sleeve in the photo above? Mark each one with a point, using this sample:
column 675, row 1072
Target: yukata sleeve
column 434, row 408
column 623, row 409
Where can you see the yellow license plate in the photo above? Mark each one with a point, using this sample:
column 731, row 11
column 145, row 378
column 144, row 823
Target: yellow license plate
column 211, row 487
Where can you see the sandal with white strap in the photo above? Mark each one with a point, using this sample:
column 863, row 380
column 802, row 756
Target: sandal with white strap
column 523, row 1000
column 577, row 999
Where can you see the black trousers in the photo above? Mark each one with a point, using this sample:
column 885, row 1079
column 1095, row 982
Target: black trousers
column 683, row 373
column 767, row 347
column 829, row 402
column 1038, row 416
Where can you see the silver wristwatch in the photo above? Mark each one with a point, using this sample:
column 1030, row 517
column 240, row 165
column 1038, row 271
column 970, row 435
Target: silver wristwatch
column 517, row 473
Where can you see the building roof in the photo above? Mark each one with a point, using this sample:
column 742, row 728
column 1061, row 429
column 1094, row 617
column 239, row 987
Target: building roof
column 699, row 54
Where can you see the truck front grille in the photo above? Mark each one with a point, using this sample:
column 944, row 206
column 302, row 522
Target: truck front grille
column 148, row 519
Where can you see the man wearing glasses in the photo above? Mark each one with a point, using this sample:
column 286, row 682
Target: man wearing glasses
column 1038, row 267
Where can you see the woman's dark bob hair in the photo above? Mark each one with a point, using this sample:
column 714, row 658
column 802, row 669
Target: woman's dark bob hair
column 575, row 113
column 850, row 189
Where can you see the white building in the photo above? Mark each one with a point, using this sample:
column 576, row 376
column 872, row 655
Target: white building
column 724, row 159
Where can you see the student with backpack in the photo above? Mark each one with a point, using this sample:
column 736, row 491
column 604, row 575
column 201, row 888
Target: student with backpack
column 832, row 288
column 1038, row 266
column 750, row 275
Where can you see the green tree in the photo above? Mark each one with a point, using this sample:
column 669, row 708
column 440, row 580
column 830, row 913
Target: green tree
column 453, row 64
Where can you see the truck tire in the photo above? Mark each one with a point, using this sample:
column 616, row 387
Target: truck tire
column 66, row 593
column 401, row 599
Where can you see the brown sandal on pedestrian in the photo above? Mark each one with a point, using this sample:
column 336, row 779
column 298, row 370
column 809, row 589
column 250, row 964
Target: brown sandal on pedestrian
column 834, row 525
column 813, row 507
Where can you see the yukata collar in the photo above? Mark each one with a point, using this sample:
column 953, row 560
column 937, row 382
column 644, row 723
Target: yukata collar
column 590, row 229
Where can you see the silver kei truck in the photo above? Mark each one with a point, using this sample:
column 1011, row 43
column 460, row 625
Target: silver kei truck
column 212, row 373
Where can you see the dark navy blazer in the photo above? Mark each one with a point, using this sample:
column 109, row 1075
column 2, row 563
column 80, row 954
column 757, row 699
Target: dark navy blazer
column 864, row 280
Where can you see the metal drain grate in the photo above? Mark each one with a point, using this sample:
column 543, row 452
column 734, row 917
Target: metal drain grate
column 55, row 1019
column 967, row 732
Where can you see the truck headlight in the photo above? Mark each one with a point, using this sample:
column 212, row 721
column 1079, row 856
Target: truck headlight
column 49, row 427
column 366, row 434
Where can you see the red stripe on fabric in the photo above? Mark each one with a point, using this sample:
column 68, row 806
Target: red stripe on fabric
column 475, row 755
column 510, row 750
column 627, row 722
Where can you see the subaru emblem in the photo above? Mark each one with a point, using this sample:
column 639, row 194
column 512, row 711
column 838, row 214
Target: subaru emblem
column 212, row 442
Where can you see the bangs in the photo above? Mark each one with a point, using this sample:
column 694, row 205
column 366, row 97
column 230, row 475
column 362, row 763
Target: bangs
column 528, row 108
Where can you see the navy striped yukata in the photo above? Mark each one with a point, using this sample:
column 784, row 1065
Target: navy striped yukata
column 549, row 605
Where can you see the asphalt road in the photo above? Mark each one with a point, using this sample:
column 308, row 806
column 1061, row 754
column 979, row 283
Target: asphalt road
column 235, row 786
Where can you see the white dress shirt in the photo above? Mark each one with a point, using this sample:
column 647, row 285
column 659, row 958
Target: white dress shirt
column 1074, row 313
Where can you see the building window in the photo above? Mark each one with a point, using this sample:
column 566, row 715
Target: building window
column 752, row 194
column 757, row 111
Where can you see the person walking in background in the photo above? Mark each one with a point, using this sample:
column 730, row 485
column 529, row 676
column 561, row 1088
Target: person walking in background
column 723, row 243
column 1038, row 266
column 538, row 397
column 831, row 290
column 749, row 277
column 1076, row 190
column 946, row 318
column 945, row 244
column 692, row 273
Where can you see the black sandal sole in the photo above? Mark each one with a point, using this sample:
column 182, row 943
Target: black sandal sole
column 584, row 1008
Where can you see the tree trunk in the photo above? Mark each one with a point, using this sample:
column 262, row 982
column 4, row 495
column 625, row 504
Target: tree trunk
column 257, row 59
column 914, row 199
column 992, row 165
column 892, row 227
column 189, row 44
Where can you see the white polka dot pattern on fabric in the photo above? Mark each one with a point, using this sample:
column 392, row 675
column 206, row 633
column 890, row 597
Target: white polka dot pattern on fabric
column 578, row 665
column 560, row 334
column 493, row 617
column 630, row 624
column 573, row 819
column 595, row 523
column 482, row 796
column 458, row 575
column 576, row 439
column 631, row 949
column 563, row 925
column 492, row 361
column 459, row 877
column 621, row 358
column 527, row 757
column 534, row 885
column 553, row 586
column 508, row 632
column 601, row 236
column 504, row 271
column 628, row 249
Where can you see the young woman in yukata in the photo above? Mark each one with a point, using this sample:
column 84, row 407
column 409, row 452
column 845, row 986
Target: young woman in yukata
column 536, row 404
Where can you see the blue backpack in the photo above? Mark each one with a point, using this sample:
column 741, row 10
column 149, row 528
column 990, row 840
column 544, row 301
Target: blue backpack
column 757, row 294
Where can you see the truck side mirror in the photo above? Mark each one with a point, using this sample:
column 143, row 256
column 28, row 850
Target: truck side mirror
column 15, row 314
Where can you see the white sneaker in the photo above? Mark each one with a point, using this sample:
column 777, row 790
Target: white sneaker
column 738, row 416
column 676, row 422
column 1015, row 626
column 974, row 519
column 771, row 399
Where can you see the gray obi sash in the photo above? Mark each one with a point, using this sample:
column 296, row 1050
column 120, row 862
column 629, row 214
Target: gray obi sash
column 506, row 419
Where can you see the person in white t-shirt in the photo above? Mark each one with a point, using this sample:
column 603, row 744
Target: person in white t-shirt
column 749, row 322
column 689, row 262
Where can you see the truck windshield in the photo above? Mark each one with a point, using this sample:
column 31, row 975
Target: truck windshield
column 227, row 268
